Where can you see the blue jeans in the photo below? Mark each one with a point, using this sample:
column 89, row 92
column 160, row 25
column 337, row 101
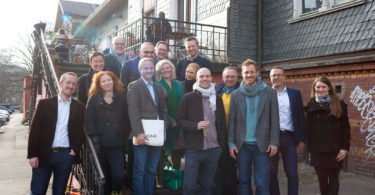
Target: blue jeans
column 200, row 164
column 249, row 155
column 145, row 163
column 289, row 154
column 60, row 163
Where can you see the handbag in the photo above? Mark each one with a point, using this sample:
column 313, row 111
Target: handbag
column 172, row 178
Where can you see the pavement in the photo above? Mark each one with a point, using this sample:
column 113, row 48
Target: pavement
column 15, row 171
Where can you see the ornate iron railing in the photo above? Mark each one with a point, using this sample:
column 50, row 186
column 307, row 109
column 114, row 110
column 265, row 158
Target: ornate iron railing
column 88, row 173
column 212, row 39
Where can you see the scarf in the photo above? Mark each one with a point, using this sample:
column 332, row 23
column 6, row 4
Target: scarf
column 252, row 91
column 210, row 92
column 121, row 59
column 323, row 99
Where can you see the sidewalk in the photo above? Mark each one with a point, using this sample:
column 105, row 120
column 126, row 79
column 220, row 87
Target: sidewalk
column 350, row 183
column 14, row 167
column 16, row 173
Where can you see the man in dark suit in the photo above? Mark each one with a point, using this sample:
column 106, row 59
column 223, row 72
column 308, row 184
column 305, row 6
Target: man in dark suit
column 146, row 100
column 56, row 136
column 292, row 132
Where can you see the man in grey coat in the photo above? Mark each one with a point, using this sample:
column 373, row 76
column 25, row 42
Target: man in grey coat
column 253, row 134
column 146, row 100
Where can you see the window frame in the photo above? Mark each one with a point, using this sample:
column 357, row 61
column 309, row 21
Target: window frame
column 328, row 6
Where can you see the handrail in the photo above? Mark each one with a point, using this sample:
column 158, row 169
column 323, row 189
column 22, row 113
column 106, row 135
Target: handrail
column 95, row 157
column 50, row 67
column 212, row 39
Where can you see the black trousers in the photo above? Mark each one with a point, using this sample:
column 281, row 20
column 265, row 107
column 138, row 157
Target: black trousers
column 225, row 181
column 113, row 164
column 328, row 180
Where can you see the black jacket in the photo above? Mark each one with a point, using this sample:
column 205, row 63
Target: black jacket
column 84, row 83
column 107, row 124
column 111, row 64
column 325, row 132
column 191, row 112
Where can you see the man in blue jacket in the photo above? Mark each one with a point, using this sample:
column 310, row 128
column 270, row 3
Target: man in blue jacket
column 292, row 132
column 191, row 45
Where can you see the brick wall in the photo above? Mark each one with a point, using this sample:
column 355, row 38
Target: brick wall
column 356, row 91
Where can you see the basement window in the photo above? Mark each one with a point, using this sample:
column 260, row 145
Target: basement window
column 338, row 89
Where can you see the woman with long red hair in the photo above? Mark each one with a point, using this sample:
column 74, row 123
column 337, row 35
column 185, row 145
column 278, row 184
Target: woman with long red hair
column 107, row 124
column 328, row 134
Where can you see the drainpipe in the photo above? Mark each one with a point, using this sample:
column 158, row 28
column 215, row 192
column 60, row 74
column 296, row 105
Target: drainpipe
column 259, row 34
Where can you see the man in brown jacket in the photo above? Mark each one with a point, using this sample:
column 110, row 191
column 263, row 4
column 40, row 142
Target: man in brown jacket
column 146, row 100
column 56, row 136
column 201, row 116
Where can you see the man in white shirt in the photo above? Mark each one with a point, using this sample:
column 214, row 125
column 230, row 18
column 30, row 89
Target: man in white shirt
column 292, row 132
column 56, row 137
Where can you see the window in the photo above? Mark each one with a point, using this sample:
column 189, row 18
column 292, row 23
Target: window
column 304, row 9
column 310, row 5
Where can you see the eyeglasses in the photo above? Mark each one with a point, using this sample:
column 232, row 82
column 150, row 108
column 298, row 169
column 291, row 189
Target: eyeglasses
column 148, row 52
column 119, row 44
column 276, row 75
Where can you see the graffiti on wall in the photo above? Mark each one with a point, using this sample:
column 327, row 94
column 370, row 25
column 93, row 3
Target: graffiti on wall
column 365, row 104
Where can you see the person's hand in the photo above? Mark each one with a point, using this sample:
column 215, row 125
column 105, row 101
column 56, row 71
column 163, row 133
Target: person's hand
column 341, row 155
column 272, row 150
column 141, row 139
column 203, row 125
column 233, row 151
column 34, row 162
column 300, row 147
column 72, row 153
column 174, row 124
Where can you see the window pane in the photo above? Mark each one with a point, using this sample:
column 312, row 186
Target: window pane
column 311, row 5
column 338, row 1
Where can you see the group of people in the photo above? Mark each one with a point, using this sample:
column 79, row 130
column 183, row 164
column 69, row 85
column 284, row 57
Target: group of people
column 225, row 134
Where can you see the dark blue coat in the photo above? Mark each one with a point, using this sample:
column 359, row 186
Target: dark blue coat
column 298, row 114
column 182, row 63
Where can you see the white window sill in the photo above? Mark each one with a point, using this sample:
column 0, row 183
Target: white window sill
column 335, row 8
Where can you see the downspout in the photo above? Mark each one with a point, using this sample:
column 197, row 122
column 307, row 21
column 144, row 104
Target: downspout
column 260, row 34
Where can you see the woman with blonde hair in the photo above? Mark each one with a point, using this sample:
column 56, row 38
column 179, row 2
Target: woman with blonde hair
column 190, row 76
column 107, row 124
column 166, row 76
column 328, row 134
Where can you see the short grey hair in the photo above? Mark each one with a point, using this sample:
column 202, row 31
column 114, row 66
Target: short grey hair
column 159, row 67
column 230, row 68
column 146, row 44
column 143, row 60
column 117, row 37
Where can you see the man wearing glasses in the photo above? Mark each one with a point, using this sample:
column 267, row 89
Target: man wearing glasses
column 129, row 71
column 116, row 56
column 292, row 132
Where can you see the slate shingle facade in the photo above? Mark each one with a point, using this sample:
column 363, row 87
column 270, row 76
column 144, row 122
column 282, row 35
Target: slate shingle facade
column 347, row 30
column 243, row 30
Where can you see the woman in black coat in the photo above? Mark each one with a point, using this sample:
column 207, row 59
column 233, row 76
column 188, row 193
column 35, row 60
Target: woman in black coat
column 328, row 134
column 107, row 124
